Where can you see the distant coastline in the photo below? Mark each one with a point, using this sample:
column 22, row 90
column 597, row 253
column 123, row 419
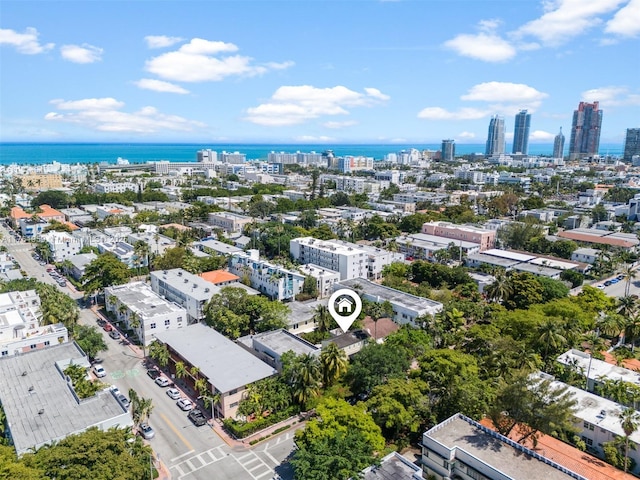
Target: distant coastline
column 89, row 153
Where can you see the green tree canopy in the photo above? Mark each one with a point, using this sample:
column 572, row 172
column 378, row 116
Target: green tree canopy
column 104, row 271
column 90, row 340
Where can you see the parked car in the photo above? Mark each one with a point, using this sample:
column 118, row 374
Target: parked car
column 115, row 335
column 99, row 370
column 153, row 373
column 197, row 417
column 607, row 283
column 185, row 404
column 174, row 393
column 124, row 401
column 620, row 277
column 600, row 286
column 107, row 327
column 162, row 382
column 146, row 431
column 62, row 283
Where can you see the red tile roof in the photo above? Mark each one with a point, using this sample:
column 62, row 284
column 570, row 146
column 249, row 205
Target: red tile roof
column 605, row 240
column 219, row 276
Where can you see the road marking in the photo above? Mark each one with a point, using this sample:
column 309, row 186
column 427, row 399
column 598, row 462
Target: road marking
column 133, row 372
column 271, row 457
column 183, row 455
column 117, row 375
column 250, row 470
column 175, row 430
column 187, row 467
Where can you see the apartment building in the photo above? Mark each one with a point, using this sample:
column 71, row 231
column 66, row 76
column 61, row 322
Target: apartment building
column 460, row 447
column 186, row 289
column 271, row 280
column 229, row 222
column 143, row 310
column 109, row 209
column 157, row 243
column 468, row 233
column 349, row 259
column 227, row 368
column 420, row 246
column 124, row 252
column 115, row 187
column 62, row 244
column 21, row 330
column 325, row 278
column 407, row 308
column 41, row 181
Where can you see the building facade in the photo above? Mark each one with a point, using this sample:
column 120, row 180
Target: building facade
column 521, row 133
column 448, row 150
column 467, row 233
column 558, row 145
column 585, row 131
column 62, row 244
column 143, row 310
column 631, row 144
column 495, row 137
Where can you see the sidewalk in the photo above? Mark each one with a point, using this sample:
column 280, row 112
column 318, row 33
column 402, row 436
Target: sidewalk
column 244, row 444
column 134, row 348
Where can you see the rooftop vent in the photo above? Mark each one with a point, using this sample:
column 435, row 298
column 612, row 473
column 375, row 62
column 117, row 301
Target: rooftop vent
column 186, row 280
column 206, row 289
column 31, row 388
column 24, row 374
column 41, row 411
column 179, row 274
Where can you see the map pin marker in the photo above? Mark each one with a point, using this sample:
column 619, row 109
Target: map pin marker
column 344, row 306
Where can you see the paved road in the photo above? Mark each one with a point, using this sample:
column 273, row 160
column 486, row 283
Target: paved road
column 189, row 452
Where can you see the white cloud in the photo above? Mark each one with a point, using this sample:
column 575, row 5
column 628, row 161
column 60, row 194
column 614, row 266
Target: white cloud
column 348, row 123
column 626, row 21
column 312, row 138
column 541, row 136
column 161, row 41
column 466, row 135
column 565, row 19
column 203, row 60
column 26, row 42
column 487, row 47
column 611, row 96
column 105, row 115
column 439, row 113
column 84, row 53
column 291, row 105
column 504, row 92
column 160, row 86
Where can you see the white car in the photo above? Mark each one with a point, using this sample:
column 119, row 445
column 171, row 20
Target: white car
column 185, row 404
column 99, row 370
column 162, row 381
column 174, row 393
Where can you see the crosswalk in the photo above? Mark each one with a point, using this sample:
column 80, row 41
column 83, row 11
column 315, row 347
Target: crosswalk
column 254, row 465
column 198, row 461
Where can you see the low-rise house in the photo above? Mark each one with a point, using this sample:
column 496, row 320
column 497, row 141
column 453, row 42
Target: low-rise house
column 349, row 342
column 109, row 209
column 62, row 245
column 216, row 247
column 143, row 310
column 157, row 243
column 586, row 255
column 601, row 237
column 301, row 317
column 21, row 329
column 80, row 262
column 229, row 222
column 186, row 289
column 227, row 368
column 40, row 404
column 274, row 281
column 463, row 448
column 407, row 308
column 270, row 346
column 420, row 246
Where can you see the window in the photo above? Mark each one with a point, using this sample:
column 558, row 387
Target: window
column 152, row 326
column 5, row 353
column 167, row 322
column 32, row 346
column 589, row 441
column 234, row 404
column 179, row 319
column 234, row 391
column 47, row 343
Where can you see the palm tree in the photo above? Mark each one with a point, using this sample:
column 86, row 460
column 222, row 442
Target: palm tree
column 550, row 337
column 181, row 370
column 611, row 325
column 333, row 362
column 500, row 289
column 140, row 407
column 627, row 306
column 629, row 274
column 194, row 372
column 632, row 329
column 629, row 421
column 159, row 352
column 323, row 318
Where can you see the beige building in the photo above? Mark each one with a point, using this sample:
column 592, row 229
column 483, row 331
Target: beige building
column 229, row 222
column 467, row 233
column 41, row 181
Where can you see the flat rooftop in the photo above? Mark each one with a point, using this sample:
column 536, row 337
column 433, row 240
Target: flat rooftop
column 393, row 467
column 595, row 368
column 50, row 411
column 281, row 342
column 517, row 462
column 188, row 283
column 218, row 246
column 371, row 289
column 227, row 365
column 425, row 240
column 139, row 297
column 492, row 260
column 520, row 257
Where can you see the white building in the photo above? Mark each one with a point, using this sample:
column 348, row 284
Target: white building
column 109, row 209
column 272, row 280
column 420, row 246
column 113, row 187
column 586, row 255
column 143, row 310
column 406, row 307
column 157, row 243
column 62, row 244
column 123, row 252
column 349, row 259
column 325, row 278
column 20, row 325
column 186, row 289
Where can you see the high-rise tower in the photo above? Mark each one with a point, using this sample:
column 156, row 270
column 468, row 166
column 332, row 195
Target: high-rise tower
column 448, row 150
column 631, row 144
column 585, row 131
column 521, row 132
column 495, row 139
column 558, row 145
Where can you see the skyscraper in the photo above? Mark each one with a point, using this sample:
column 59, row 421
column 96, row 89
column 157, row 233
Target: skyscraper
column 448, row 150
column 558, row 145
column 495, row 139
column 521, row 132
column 585, row 131
column 631, row 144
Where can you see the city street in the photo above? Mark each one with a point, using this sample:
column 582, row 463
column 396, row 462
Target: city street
column 187, row 451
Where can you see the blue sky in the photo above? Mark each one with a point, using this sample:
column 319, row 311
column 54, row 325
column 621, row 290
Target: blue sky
column 359, row 71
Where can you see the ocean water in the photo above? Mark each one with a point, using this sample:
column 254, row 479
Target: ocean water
column 38, row 153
